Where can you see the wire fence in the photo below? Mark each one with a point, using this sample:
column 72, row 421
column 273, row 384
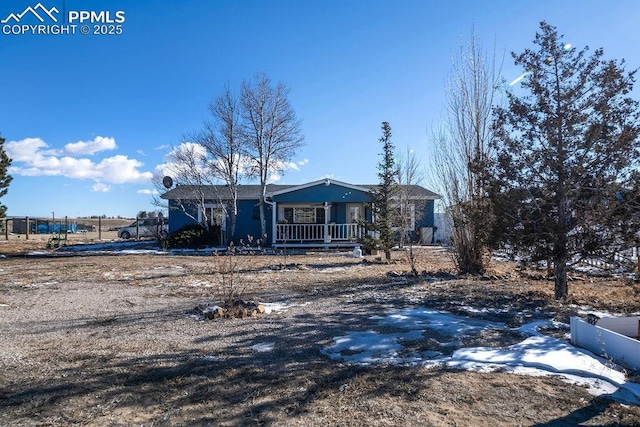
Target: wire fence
column 32, row 227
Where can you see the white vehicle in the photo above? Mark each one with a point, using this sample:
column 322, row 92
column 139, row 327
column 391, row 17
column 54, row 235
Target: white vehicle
column 149, row 227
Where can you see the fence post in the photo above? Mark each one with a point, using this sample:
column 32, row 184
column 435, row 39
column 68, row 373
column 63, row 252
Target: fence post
column 26, row 223
column 137, row 228
column 99, row 228
column 6, row 229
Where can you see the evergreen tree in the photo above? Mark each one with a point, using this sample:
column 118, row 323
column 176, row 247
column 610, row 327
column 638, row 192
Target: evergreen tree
column 381, row 206
column 5, row 178
column 566, row 154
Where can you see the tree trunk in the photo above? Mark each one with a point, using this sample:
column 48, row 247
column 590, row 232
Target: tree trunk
column 561, row 254
column 234, row 221
column 263, row 220
column 561, row 286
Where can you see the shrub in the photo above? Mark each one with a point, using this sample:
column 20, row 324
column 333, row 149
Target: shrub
column 192, row 236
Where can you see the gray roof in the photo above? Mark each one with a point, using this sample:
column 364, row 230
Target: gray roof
column 413, row 190
column 252, row 191
column 220, row 192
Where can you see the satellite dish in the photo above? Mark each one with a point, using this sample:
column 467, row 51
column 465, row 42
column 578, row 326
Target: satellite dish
column 167, row 181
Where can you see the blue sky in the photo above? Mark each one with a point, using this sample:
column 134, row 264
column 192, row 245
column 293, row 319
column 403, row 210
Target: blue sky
column 88, row 118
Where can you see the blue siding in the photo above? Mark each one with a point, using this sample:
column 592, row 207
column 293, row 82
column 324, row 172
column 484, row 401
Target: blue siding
column 323, row 193
column 428, row 217
column 177, row 218
column 340, row 216
column 247, row 225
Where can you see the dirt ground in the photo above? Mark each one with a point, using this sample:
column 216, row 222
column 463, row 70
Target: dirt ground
column 112, row 340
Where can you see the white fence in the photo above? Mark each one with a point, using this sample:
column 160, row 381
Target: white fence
column 611, row 344
column 625, row 259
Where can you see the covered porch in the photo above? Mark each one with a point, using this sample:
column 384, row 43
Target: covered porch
column 330, row 235
column 330, row 225
column 325, row 214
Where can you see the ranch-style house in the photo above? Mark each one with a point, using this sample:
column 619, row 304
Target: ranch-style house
column 322, row 214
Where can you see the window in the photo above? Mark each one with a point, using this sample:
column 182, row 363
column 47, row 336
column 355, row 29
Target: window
column 216, row 215
column 303, row 215
column 355, row 213
column 288, row 215
column 404, row 216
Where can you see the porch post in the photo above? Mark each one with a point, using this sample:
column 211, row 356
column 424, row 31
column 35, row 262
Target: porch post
column 327, row 238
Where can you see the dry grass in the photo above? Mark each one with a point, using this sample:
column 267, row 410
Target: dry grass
column 105, row 340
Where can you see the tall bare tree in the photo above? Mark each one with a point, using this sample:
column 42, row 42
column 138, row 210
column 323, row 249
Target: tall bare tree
column 223, row 143
column 410, row 208
column 211, row 155
column 271, row 130
column 186, row 164
column 461, row 152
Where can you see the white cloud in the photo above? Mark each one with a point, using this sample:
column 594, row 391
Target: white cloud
column 121, row 169
column 175, row 164
column 278, row 169
column 273, row 178
column 99, row 187
column 34, row 157
column 98, row 144
column 198, row 156
column 24, row 150
column 147, row 191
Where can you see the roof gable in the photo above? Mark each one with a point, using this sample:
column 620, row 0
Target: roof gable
column 322, row 191
column 325, row 182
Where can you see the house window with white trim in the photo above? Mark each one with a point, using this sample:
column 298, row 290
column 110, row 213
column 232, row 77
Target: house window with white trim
column 404, row 217
column 216, row 215
column 303, row 215
column 355, row 212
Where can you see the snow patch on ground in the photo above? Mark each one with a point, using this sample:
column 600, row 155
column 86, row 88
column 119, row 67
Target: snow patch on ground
column 536, row 355
column 263, row 347
column 274, row 307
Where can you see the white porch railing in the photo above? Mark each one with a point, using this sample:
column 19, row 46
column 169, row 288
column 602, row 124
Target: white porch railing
column 318, row 232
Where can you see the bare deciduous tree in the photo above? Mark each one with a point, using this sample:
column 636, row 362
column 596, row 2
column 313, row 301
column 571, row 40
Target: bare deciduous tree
column 186, row 164
column 253, row 136
column 271, row 130
column 461, row 151
column 410, row 208
column 212, row 155
column 221, row 138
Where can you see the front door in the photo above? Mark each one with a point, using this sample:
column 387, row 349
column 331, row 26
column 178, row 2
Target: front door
column 355, row 212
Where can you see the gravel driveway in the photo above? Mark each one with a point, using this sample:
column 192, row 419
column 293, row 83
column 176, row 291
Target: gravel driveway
column 113, row 340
